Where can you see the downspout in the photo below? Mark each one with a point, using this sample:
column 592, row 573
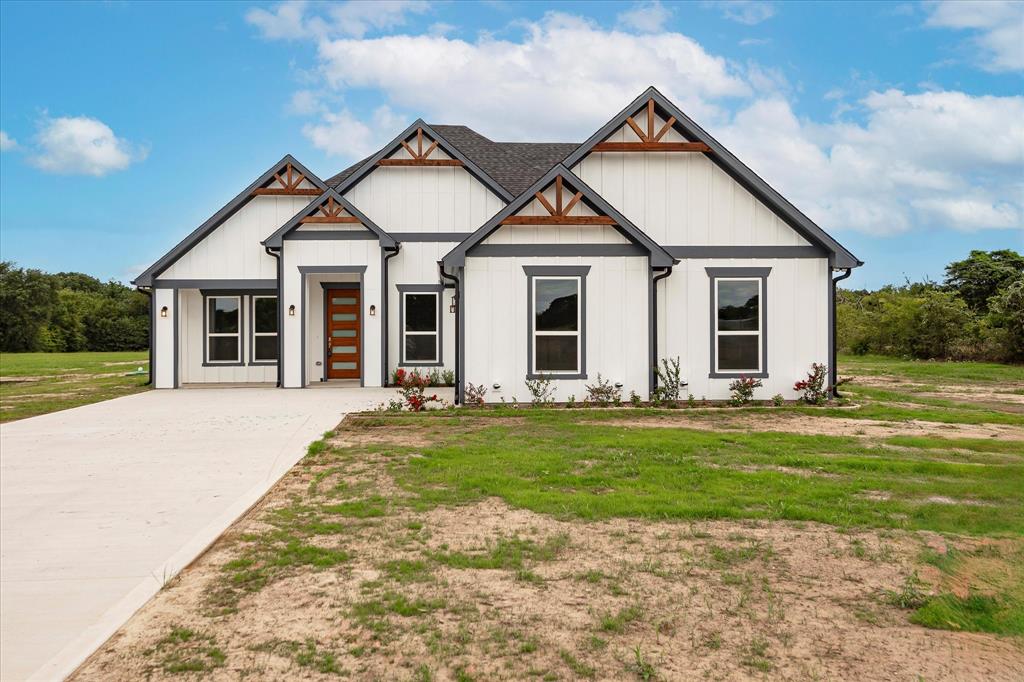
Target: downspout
column 654, row 326
column 458, row 316
column 152, row 317
column 834, row 371
column 384, row 297
column 280, row 313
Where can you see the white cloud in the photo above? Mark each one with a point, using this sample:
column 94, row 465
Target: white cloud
column 999, row 28
column 7, row 143
column 80, row 145
column 345, row 135
column 291, row 20
column 646, row 17
column 747, row 12
column 305, row 103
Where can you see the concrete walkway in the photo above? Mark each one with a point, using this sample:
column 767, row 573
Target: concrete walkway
column 99, row 505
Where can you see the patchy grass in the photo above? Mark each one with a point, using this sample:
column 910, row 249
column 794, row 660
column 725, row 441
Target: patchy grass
column 37, row 383
column 183, row 651
column 937, row 371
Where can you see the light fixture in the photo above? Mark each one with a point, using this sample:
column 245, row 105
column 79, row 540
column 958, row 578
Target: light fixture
column 451, row 308
column 373, row 310
column 163, row 312
column 618, row 384
column 497, row 387
column 291, row 310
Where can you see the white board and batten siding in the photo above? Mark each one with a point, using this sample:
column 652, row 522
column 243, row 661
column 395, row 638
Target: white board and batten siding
column 191, row 346
column 341, row 253
column 424, row 199
column 616, row 335
column 682, row 198
column 233, row 250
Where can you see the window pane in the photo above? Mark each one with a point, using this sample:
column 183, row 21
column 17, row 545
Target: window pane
column 265, row 348
column 343, row 365
column 265, row 315
column 338, row 350
column 421, row 348
column 556, row 354
column 343, row 317
column 556, row 304
column 738, row 352
column 223, row 315
column 738, row 306
column 421, row 312
column 343, row 301
column 223, row 348
column 343, row 333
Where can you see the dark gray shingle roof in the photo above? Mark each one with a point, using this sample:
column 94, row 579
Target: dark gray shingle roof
column 513, row 165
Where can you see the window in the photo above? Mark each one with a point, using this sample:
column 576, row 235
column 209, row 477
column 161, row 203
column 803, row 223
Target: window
column 738, row 317
column 557, row 321
column 264, row 329
column 223, row 329
column 421, row 324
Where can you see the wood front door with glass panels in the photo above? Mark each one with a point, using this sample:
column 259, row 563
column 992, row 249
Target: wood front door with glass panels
column 343, row 341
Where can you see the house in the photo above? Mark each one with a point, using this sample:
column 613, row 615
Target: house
column 505, row 261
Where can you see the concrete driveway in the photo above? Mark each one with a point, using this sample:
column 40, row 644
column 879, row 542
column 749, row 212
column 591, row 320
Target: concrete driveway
column 99, row 505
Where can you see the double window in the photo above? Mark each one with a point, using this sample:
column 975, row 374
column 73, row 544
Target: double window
column 225, row 327
column 557, row 320
column 420, row 324
column 738, row 339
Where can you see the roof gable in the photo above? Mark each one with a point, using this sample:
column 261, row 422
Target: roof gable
column 329, row 205
column 701, row 141
column 283, row 178
column 415, row 132
column 560, row 176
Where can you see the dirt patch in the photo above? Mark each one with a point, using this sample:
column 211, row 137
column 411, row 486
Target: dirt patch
column 487, row 591
column 983, row 394
column 829, row 426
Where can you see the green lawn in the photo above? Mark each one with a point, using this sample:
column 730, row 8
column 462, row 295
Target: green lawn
column 929, row 370
column 38, row 383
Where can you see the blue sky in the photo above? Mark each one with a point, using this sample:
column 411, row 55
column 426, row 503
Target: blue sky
column 898, row 127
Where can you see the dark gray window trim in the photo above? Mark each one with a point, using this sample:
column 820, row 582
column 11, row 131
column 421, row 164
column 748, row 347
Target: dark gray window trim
column 330, row 235
column 747, row 251
column 430, row 236
column 420, row 288
column 393, row 146
column 304, row 272
column 276, row 239
column 206, row 322
column 715, row 274
column 218, row 218
column 659, row 257
column 534, row 271
column 252, row 328
column 555, row 250
column 218, row 284
column 722, row 157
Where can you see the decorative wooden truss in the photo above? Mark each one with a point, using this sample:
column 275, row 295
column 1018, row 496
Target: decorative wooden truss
column 331, row 212
column 559, row 213
column 419, row 157
column 649, row 140
column 288, row 185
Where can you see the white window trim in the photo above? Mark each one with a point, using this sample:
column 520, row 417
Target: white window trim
column 436, row 333
column 255, row 333
column 534, row 333
column 213, row 335
column 760, row 298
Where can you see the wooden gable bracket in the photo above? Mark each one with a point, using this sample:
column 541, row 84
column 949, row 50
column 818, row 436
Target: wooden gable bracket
column 289, row 185
column 330, row 212
column 419, row 157
column 559, row 213
column 649, row 140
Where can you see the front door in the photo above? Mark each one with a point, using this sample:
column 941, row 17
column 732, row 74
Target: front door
column 343, row 339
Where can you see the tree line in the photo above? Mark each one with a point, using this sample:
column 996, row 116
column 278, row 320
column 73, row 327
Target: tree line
column 69, row 311
column 975, row 313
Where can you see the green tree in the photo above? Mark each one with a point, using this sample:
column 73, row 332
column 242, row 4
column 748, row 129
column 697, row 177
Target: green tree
column 982, row 275
column 26, row 298
column 1006, row 318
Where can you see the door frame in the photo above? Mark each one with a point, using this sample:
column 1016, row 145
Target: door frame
column 324, row 287
column 305, row 318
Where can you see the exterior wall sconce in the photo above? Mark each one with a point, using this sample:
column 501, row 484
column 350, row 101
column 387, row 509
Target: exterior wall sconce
column 453, row 305
column 373, row 310
column 163, row 312
column 618, row 384
column 496, row 387
column 291, row 310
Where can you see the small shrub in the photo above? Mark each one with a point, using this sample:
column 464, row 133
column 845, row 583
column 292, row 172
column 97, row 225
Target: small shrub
column 669, row 380
column 602, row 392
column 541, row 390
column 691, row 402
column 743, row 390
column 434, row 378
column 570, row 401
column 475, row 394
column 413, row 386
column 778, row 400
column 910, row 596
column 634, row 399
column 814, row 387
column 448, row 377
